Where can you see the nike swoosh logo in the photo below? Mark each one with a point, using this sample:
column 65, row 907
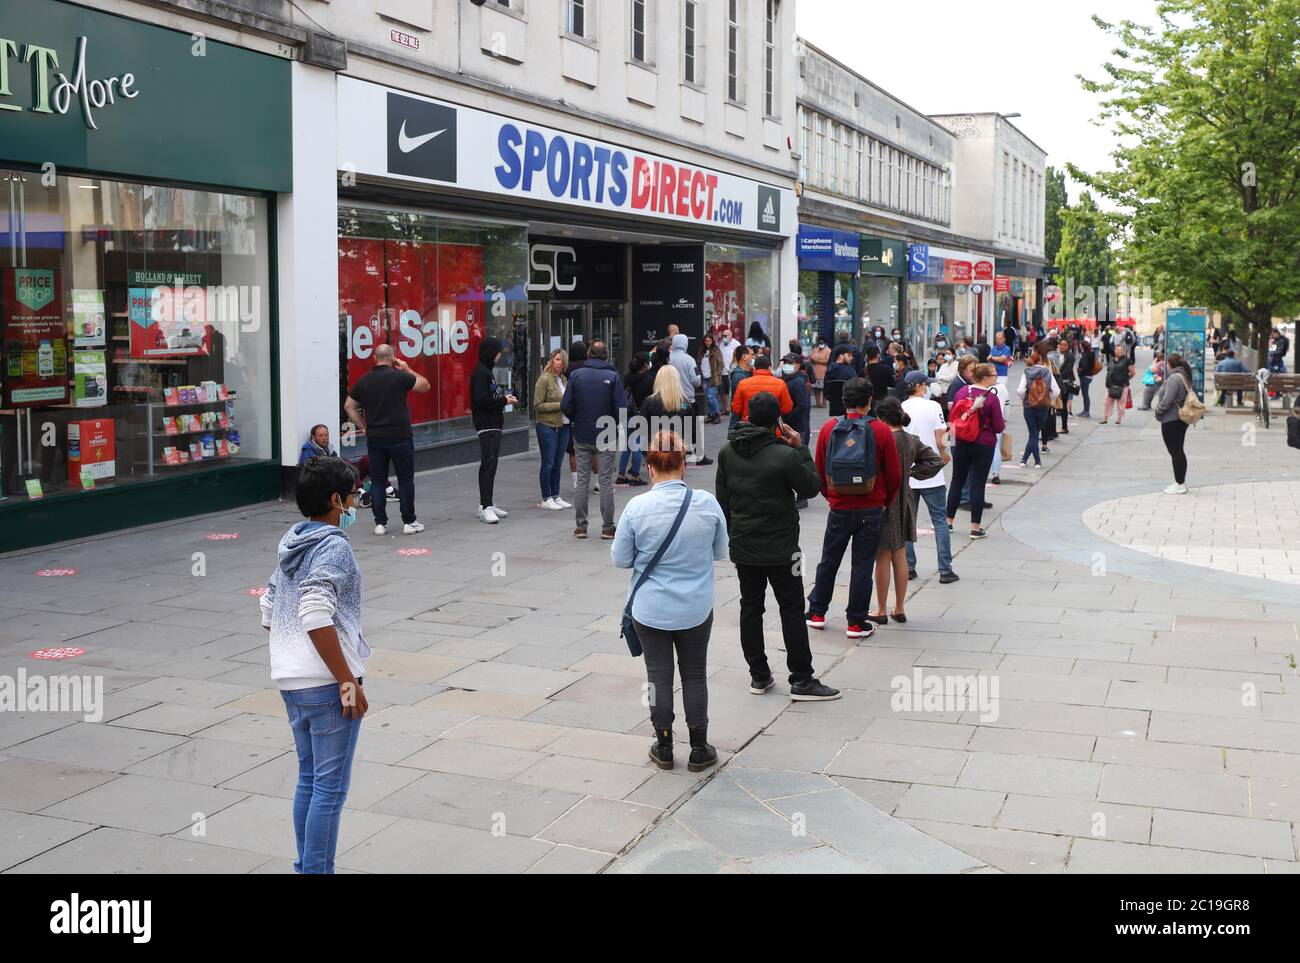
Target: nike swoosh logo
column 407, row 144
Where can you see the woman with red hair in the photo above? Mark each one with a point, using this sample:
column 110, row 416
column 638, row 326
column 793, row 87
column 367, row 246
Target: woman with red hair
column 670, row 537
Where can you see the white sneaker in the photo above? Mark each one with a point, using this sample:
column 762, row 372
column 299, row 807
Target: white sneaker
column 487, row 515
column 561, row 503
column 381, row 529
column 1176, row 489
column 550, row 504
column 415, row 528
column 392, row 492
column 501, row 512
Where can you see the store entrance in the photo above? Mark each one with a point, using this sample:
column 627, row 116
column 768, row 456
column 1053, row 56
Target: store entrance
column 588, row 321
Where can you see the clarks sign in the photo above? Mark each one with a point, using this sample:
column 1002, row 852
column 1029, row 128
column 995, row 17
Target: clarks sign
column 52, row 91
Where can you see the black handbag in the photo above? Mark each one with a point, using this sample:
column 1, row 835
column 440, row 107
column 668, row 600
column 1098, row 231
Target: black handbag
column 628, row 631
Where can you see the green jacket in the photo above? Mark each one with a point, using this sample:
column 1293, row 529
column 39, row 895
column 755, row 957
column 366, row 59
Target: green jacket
column 547, row 395
column 759, row 478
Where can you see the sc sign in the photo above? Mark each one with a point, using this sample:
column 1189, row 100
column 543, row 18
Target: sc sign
column 545, row 260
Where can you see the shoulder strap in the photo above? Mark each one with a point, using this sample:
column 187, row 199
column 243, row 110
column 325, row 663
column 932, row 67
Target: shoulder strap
column 663, row 547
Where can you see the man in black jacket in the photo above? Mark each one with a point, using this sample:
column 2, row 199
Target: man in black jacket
column 487, row 404
column 760, row 474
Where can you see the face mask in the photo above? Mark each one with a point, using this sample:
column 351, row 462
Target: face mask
column 348, row 518
column 787, row 369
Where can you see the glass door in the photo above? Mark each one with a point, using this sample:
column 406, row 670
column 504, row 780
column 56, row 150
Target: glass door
column 607, row 323
column 568, row 322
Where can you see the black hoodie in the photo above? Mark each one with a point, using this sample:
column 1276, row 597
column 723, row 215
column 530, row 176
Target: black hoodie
column 486, row 399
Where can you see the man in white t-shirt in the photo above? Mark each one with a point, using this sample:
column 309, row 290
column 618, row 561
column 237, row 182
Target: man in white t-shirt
column 727, row 345
column 928, row 426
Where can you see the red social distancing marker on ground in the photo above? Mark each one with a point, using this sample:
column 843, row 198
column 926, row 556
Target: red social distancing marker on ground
column 414, row 551
column 221, row 536
column 55, row 572
column 62, row 652
column 257, row 591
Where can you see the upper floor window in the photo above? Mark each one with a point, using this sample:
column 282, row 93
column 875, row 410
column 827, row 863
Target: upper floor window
column 691, row 72
column 769, row 60
column 575, row 17
column 640, row 44
column 733, row 51
column 804, row 122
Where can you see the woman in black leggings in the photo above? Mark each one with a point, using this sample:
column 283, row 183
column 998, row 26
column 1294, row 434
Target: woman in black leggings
column 1178, row 383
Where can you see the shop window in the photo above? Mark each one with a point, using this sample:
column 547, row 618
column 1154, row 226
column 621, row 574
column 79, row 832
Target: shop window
column 740, row 290
column 434, row 289
column 135, row 333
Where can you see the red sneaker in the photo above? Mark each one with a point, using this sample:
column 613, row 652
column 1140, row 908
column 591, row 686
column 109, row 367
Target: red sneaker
column 816, row 621
column 865, row 631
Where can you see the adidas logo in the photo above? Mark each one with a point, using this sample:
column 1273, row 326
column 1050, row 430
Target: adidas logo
column 769, row 213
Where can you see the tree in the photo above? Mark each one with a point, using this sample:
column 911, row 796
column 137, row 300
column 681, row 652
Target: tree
column 1085, row 257
column 1208, row 171
column 1057, row 201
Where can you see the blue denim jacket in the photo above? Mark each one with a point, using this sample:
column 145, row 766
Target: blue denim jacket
column 679, row 592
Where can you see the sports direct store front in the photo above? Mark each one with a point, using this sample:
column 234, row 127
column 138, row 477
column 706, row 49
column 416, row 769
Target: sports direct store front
column 949, row 292
column 457, row 224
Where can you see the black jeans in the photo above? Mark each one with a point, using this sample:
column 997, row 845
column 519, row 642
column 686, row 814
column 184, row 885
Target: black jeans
column 787, row 586
column 692, row 647
column 972, row 460
column 1175, row 434
column 401, row 455
column 489, row 447
column 861, row 528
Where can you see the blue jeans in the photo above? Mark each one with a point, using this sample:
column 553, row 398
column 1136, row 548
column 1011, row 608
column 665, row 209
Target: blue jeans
column 1035, row 422
column 631, row 453
column 1085, row 382
column 326, row 743
column 711, row 393
column 861, row 529
column 551, row 442
column 401, row 454
column 936, row 502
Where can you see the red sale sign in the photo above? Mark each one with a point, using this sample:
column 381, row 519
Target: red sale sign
column 956, row 272
column 428, row 302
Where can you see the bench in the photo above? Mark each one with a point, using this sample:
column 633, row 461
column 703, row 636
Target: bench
column 1231, row 382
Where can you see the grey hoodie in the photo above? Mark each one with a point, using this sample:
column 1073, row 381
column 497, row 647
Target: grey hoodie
column 685, row 365
column 316, row 583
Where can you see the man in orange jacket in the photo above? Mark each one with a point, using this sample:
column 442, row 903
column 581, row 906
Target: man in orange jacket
column 761, row 380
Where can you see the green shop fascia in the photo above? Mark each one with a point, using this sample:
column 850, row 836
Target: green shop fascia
column 138, row 333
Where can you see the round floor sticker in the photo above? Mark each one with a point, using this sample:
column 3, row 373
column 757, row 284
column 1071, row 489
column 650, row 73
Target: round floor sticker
column 221, row 536
column 414, row 551
column 257, row 591
column 55, row 572
column 61, row 652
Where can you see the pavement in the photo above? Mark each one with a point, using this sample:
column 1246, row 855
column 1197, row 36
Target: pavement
column 1111, row 679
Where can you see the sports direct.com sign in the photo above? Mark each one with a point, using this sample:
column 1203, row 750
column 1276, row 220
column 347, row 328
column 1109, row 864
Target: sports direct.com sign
column 391, row 133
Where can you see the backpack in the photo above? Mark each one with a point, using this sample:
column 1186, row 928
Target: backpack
column 1039, row 394
column 851, row 457
column 966, row 418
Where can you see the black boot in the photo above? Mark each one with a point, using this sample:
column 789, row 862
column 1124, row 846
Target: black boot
column 703, row 755
column 661, row 750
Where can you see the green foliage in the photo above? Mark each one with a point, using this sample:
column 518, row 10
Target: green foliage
column 1057, row 201
column 1085, row 253
column 1206, row 109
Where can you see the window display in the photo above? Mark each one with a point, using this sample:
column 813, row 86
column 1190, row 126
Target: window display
column 741, row 286
column 134, row 330
column 433, row 288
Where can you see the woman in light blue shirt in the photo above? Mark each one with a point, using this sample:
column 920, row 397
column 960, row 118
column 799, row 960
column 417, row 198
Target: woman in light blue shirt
column 673, row 610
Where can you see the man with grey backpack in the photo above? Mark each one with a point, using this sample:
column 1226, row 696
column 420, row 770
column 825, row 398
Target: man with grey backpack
column 857, row 462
